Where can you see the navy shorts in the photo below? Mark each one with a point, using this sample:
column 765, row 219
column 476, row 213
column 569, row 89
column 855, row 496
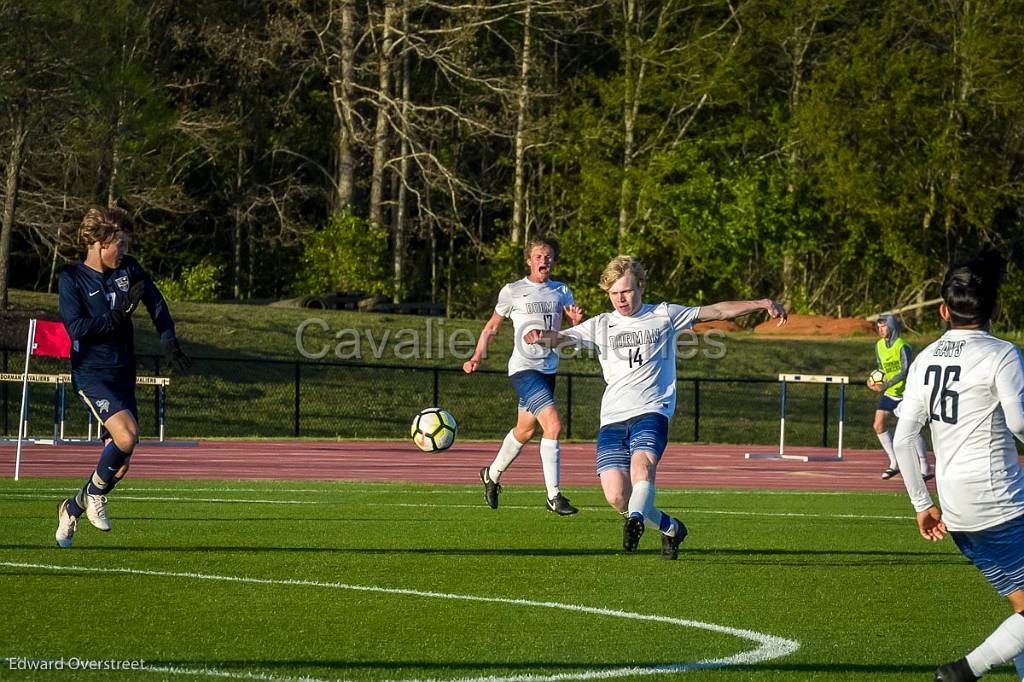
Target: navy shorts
column 617, row 442
column 886, row 403
column 106, row 392
column 536, row 390
column 997, row 552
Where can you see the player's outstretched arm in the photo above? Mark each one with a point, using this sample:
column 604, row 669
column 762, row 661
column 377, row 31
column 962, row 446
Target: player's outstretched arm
column 487, row 335
column 727, row 310
column 546, row 337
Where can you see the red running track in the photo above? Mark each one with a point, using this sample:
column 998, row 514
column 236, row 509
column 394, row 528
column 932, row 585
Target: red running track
column 683, row 466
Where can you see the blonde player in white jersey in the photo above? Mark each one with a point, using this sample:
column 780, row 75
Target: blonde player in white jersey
column 636, row 345
column 969, row 388
column 534, row 301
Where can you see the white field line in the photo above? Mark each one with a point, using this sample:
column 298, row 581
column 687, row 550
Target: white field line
column 460, row 489
column 156, row 498
column 426, row 505
column 768, row 647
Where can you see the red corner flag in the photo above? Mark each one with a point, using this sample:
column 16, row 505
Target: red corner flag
column 51, row 340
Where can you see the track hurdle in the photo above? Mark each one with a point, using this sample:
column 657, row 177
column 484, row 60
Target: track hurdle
column 784, row 379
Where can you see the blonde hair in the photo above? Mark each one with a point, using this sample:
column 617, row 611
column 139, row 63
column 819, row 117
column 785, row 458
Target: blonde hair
column 101, row 223
column 549, row 242
column 619, row 267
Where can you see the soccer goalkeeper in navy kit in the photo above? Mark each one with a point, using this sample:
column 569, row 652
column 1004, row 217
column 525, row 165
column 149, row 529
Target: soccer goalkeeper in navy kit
column 97, row 299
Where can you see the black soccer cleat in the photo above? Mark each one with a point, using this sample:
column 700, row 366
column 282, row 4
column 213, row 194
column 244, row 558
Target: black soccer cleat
column 560, row 505
column 491, row 489
column 670, row 545
column 957, row 671
column 631, row 532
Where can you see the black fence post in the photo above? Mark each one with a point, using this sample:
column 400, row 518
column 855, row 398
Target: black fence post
column 298, row 392
column 437, row 388
column 568, row 409
column 824, row 419
column 6, row 406
column 696, row 410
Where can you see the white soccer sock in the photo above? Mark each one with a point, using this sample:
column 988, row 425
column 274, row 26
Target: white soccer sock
column 507, row 453
column 641, row 501
column 549, row 455
column 1006, row 643
column 922, row 455
column 885, row 438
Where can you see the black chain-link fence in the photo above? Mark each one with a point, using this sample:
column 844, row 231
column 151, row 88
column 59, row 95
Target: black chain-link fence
column 256, row 398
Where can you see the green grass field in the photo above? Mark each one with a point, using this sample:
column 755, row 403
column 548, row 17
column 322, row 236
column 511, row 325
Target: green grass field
column 275, row 581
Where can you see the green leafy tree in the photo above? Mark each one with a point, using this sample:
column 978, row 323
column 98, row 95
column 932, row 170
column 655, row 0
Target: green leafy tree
column 199, row 283
column 346, row 255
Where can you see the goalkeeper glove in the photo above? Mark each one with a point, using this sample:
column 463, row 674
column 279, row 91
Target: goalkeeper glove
column 175, row 356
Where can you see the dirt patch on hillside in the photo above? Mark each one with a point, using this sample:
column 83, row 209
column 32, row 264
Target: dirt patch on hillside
column 817, row 325
column 722, row 325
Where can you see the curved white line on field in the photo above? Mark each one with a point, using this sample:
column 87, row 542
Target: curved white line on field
column 768, row 646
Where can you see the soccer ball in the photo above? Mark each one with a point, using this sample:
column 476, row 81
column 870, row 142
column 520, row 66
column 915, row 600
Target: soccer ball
column 433, row 430
column 876, row 376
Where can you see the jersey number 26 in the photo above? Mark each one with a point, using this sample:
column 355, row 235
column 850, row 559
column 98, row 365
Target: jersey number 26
column 946, row 400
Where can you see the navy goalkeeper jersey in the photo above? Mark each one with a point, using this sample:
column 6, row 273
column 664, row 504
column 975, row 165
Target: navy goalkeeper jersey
column 86, row 299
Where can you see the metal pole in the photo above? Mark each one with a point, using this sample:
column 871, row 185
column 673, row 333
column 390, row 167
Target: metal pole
column 568, row 409
column 824, row 419
column 161, row 409
column 23, row 413
column 56, row 412
column 782, row 421
column 696, row 410
column 842, row 416
column 298, row 380
column 6, row 402
column 63, row 406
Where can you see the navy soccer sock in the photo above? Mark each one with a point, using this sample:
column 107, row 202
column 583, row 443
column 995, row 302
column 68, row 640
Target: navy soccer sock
column 111, row 461
column 76, row 504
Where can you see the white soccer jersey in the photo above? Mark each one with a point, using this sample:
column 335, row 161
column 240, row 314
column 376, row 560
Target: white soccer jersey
column 966, row 386
column 533, row 305
column 638, row 358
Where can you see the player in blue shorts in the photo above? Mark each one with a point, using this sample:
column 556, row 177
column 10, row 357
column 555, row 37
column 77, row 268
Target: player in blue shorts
column 969, row 388
column 534, row 301
column 97, row 299
column 894, row 356
column 636, row 345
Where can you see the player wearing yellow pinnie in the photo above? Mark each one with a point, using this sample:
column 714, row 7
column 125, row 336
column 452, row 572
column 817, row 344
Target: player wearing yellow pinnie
column 894, row 356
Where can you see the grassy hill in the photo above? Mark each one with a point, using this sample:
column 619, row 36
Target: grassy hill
column 377, row 370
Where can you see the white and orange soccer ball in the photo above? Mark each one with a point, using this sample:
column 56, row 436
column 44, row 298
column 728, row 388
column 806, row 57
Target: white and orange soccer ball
column 433, row 430
column 876, row 376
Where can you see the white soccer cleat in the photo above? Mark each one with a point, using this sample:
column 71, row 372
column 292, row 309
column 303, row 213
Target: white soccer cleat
column 96, row 510
column 66, row 525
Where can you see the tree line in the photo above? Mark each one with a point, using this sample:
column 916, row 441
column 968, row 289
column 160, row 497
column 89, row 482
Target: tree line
column 832, row 153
